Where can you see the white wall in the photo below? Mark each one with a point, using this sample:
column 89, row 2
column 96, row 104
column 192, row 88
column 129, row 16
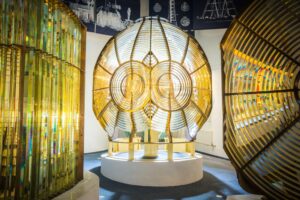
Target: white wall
column 210, row 137
column 95, row 138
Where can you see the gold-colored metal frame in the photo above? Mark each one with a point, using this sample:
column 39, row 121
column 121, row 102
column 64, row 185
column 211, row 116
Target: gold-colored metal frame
column 169, row 90
column 261, row 66
column 182, row 147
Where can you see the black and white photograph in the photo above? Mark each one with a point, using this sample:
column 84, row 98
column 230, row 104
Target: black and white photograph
column 178, row 12
column 105, row 16
column 210, row 14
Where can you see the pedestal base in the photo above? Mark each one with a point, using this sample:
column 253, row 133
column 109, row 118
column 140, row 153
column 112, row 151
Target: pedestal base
column 153, row 172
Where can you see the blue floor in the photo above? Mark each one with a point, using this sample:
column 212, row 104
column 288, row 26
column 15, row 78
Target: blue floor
column 219, row 181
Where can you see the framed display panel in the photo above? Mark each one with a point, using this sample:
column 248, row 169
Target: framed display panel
column 214, row 14
column 261, row 67
column 178, row 12
column 42, row 59
column 152, row 86
column 105, row 16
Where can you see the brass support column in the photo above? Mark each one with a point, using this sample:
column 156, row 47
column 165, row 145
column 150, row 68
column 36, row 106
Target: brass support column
column 130, row 151
column 110, row 148
column 170, row 151
column 192, row 148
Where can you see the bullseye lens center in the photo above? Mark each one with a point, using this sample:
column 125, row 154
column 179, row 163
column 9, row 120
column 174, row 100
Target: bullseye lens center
column 169, row 85
column 132, row 86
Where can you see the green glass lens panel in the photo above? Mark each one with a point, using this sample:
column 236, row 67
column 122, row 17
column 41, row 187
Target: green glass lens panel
column 41, row 84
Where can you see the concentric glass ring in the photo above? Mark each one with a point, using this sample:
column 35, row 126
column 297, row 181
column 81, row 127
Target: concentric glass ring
column 129, row 86
column 172, row 86
column 152, row 77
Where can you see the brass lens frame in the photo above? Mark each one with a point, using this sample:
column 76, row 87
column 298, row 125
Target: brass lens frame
column 261, row 65
column 152, row 84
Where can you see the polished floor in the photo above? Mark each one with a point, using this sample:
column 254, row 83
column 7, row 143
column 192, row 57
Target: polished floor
column 219, row 181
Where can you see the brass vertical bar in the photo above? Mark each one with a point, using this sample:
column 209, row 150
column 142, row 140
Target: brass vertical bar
column 79, row 174
column 147, row 132
column 133, row 130
column 185, row 49
column 10, row 133
column 131, row 151
column 21, row 109
column 50, row 130
column 110, row 146
column 116, row 51
column 168, row 131
column 192, row 148
column 131, row 57
column 135, row 40
column 170, row 151
column 34, row 191
column 36, row 133
column 150, row 46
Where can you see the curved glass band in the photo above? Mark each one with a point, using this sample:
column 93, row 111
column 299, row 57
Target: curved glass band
column 41, row 98
column 261, row 67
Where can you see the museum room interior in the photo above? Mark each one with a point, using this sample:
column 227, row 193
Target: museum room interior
column 149, row 99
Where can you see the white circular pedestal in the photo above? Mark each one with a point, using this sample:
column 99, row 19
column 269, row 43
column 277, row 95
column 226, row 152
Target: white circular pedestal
column 153, row 172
